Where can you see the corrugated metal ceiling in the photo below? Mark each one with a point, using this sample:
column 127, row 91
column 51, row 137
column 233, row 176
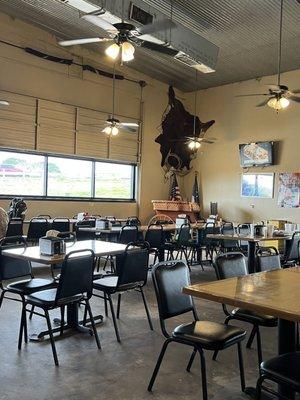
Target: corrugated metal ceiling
column 246, row 32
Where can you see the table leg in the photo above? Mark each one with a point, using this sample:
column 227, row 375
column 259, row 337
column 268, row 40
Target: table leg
column 73, row 323
column 286, row 344
column 251, row 257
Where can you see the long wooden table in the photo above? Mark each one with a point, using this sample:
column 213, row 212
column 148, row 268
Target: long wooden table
column 274, row 293
column 100, row 248
column 252, row 241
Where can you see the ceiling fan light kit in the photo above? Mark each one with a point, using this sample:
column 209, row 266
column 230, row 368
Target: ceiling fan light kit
column 278, row 103
column 194, row 145
column 111, row 130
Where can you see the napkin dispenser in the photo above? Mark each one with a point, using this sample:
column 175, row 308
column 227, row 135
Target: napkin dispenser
column 181, row 221
column 102, row 224
column 51, row 245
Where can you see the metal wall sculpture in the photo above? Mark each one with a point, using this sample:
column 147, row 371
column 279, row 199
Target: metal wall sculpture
column 177, row 123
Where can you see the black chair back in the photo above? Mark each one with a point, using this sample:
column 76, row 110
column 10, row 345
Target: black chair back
column 37, row 228
column 85, row 235
column 243, row 229
column 12, row 268
column 46, row 216
column 184, row 235
column 228, row 229
column 128, row 234
column 155, row 236
column 76, row 276
column 268, row 259
column 14, row 227
column 133, row 221
column 292, row 252
column 169, row 278
column 67, row 236
column 231, row 265
column 132, row 265
column 61, row 224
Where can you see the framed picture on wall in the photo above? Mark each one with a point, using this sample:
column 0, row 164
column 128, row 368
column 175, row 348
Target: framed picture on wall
column 258, row 185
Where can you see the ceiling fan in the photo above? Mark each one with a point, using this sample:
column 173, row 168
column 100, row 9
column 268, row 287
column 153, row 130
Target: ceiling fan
column 112, row 123
column 126, row 37
column 278, row 96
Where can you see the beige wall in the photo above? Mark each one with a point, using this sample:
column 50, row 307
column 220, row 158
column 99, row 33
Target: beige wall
column 26, row 74
column 239, row 121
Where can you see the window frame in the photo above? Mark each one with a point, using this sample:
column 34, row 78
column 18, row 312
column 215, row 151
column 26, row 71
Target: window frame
column 46, row 197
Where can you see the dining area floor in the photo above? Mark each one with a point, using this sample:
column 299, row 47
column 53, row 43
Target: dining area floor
column 121, row 370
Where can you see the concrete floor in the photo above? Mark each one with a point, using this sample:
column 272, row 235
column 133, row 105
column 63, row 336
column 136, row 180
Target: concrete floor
column 119, row 371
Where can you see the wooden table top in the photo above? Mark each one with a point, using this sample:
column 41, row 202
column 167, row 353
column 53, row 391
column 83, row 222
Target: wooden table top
column 274, row 293
column 74, row 220
column 246, row 238
column 99, row 247
column 142, row 228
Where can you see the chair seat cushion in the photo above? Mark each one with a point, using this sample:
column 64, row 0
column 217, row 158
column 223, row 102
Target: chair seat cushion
column 46, row 298
column 108, row 283
column 30, row 285
column 209, row 335
column 284, row 368
column 254, row 318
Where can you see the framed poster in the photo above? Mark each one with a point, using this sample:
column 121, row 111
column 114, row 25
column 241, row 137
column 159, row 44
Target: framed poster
column 258, row 185
column 289, row 190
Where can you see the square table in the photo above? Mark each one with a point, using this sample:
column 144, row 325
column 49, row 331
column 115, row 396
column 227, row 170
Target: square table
column 100, row 248
column 274, row 293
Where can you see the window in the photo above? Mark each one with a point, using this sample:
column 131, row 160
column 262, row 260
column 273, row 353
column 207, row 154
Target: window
column 69, row 177
column 21, row 174
column 49, row 176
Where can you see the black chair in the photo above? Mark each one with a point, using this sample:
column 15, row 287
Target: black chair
column 61, row 224
column 156, row 239
column 85, row 235
column 169, row 278
column 243, row 229
column 75, row 286
column 283, row 370
column 291, row 254
column 211, row 245
column 179, row 244
column 228, row 245
column 268, row 259
column 128, row 234
column 37, row 228
column 14, row 227
column 47, row 216
column 12, row 269
column 131, row 274
column 231, row 265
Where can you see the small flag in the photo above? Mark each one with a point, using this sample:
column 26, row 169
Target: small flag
column 195, row 193
column 175, row 192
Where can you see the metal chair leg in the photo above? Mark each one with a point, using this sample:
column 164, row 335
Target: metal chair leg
column 31, row 312
column 216, row 352
column 93, row 323
column 51, row 337
column 251, row 337
column 105, row 304
column 2, row 297
column 62, row 320
column 203, row 374
column 146, row 309
column 119, row 305
column 23, row 318
column 114, row 317
column 259, row 387
column 158, row 363
column 241, row 365
column 190, row 363
column 259, row 349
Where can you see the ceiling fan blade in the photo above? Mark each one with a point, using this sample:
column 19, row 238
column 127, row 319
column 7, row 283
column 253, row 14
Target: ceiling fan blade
column 294, row 98
column 73, row 42
column 295, row 91
column 101, row 23
column 252, row 94
column 207, row 141
column 4, row 103
column 160, row 48
column 161, row 25
column 127, row 129
column 263, row 103
column 130, row 124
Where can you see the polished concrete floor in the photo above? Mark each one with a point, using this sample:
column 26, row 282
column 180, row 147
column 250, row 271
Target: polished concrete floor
column 119, row 370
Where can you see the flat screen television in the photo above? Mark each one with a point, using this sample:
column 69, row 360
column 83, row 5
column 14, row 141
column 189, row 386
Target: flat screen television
column 256, row 154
